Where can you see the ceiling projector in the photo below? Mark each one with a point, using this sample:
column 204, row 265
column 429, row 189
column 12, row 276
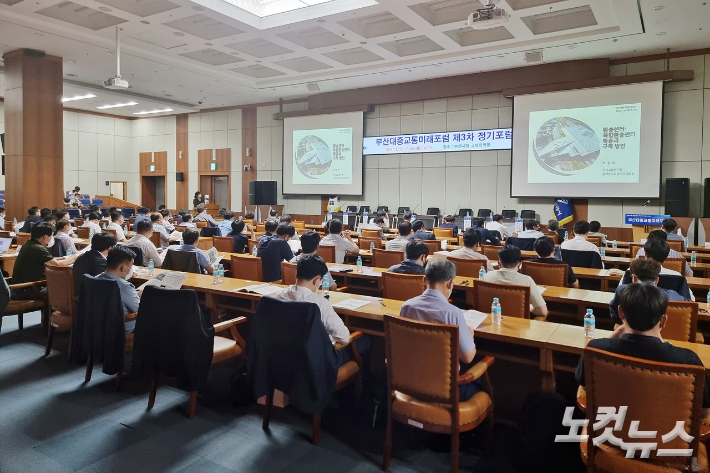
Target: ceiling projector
column 488, row 17
column 116, row 83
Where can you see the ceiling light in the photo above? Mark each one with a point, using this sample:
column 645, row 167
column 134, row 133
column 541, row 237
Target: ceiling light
column 660, row 33
column 145, row 22
column 660, row 7
column 177, row 33
column 77, row 97
column 104, row 107
column 72, row 75
column 154, row 111
column 105, row 9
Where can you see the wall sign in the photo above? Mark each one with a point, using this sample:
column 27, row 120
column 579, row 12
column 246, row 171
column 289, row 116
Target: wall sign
column 473, row 140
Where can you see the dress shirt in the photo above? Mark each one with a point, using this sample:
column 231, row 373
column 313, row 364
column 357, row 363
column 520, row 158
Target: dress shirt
column 148, row 248
column 669, row 236
column 500, row 228
column 2, row 223
column 333, row 324
column 272, row 251
column 598, row 234
column 240, row 240
column 422, row 235
column 139, row 218
column 188, row 224
column 65, row 240
column 513, row 277
column 579, row 243
column 408, row 266
column 164, row 235
column 93, row 227
column 225, row 227
column 129, row 297
column 398, row 244
column 489, row 236
column 470, row 253
column 327, row 276
column 450, row 225
column 671, row 254
column 168, row 226
column 342, row 246
column 433, row 307
column 120, row 236
column 531, row 234
column 205, row 217
column 201, row 257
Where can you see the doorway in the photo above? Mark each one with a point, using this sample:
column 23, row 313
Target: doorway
column 153, row 191
column 118, row 189
column 217, row 188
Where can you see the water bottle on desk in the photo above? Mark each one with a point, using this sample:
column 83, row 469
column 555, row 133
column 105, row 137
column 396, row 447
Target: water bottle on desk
column 686, row 243
column 14, row 222
column 151, row 268
column 221, row 273
column 613, row 244
column 589, row 324
column 326, row 286
column 693, row 258
column 125, row 229
column 496, row 312
column 359, row 265
column 491, row 216
column 103, row 225
column 566, row 235
column 467, row 221
column 372, row 246
column 215, row 274
column 254, row 250
column 602, row 251
column 68, row 251
column 482, row 273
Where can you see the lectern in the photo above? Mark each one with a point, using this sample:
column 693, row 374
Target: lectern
column 643, row 224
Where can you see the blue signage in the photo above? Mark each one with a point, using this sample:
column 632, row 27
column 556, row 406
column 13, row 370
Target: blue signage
column 472, row 140
column 643, row 219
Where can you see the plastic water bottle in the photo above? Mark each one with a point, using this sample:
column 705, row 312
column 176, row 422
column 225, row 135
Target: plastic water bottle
column 326, row 286
column 182, row 242
column 482, row 272
column 496, row 312
column 103, row 225
column 221, row 273
column 693, row 258
column 686, row 243
column 151, row 268
column 254, row 250
column 68, row 251
column 359, row 265
column 707, row 303
column 602, row 251
column 613, row 244
column 491, row 216
column 125, row 229
column 372, row 245
column 14, row 221
column 215, row 274
column 589, row 324
column 566, row 235
column 91, row 234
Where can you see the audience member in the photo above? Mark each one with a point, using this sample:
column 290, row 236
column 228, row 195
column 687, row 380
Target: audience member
column 32, row 217
column 310, row 241
column 662, row 235
column 416, row 253
column 377, row 223
column 166, row 220
column 340, row 239
column 471, row 246
column 285, row 218
column 420, row 233
column 117, row 225
column 670, row 226
column 92, row 222
column 273, row 249
column 165, row 237
column 190, row 236
column 119, row 268
column 489, row 237
column 187, row 221
column 63, row 238
column 532, row 229
column 450, row 222
column 203, row 216
column 400, row 243
column 143, row 214
column 198, row 199
column 554, row 226
column 579, row 242
column 241, row 241
column 225, row 226
column 144, row 230
column 594, row 227
column 545, row 247
column 93, row 262
column 497, row 225
column 270, row 227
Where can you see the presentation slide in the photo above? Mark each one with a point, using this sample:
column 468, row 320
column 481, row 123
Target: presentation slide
column 323, row 154
column 602, row 142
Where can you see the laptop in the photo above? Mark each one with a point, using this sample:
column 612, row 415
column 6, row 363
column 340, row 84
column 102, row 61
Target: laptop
column 5, row 244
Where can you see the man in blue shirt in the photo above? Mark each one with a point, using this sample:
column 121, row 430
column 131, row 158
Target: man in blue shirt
column 416, row 252
column 203, row 216
column 273, row 249
column 449, row 222
column 119, row 268
column 270, row 227
column 225, row 226
column 489, row 237
column 240, row 240
column 419, row 232
column 143, row 214
column 190, row 237
column 433, row 306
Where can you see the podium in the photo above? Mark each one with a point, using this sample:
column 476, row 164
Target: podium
column 643, row 224
column 212, row 209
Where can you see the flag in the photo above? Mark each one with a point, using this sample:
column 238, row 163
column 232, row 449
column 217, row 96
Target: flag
column 563, row 211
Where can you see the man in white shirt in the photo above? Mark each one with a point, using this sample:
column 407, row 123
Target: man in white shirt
column 117, row 225
column 187, row 221
column 93, row 223
column 400, row 243
column 166, row 220
column 532, row 230
column 509, row 260
column 2, row 219
column 341, row 240
column 669, row 226
column 144, row 230
column 579, row 242
column 165, row 238
column 63, row 237
column 662, row 235
column 594, row 227
column 203, row 216
column 497, row 225
column 385, row 219
column 471, row 244
column 377, row 224
column 657, row 249
column 309, row 274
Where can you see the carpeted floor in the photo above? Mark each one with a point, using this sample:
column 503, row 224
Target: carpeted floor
column 51, row 422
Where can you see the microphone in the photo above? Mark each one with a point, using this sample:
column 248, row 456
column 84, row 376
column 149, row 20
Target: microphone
column 457, row 211
column 415, row 208
column 645, row 204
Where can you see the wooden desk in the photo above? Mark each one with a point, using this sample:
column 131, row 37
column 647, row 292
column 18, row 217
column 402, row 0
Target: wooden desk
column 7, row 261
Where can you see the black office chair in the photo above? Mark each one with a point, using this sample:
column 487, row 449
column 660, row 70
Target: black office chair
column 364, row 209
column 509, row 214
column 465, row 212
column 383, row 207
column 138, row 260
column 433, row 211
column 484, row 212
column 525, row 244
column 582, row 259
column 209, row 231
column 351, row 209
column 527, row 214
column 401, row 210
column 182, row 261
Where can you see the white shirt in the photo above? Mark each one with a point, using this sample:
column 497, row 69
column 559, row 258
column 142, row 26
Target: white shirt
column 671, row 254
column 333, row 324
column 342, row 246
column 531, row 234
column 579, row 243
column 513, row 277
column 499, row 227
column 120, row 236
column 398, row 244
column 469, row 253
column 93, row 226
column 148, row 248
column 164, row 235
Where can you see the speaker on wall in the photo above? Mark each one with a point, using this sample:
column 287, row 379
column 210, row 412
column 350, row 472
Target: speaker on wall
column 262, row 193
column 179, row 177
column 706, row 198
column 678, row 197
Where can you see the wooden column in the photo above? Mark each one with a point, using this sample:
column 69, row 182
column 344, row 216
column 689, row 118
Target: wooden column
column 34, row 155
column 182, row 195
column 248, row 142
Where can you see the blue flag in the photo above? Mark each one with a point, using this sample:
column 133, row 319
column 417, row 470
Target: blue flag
column 563, row 211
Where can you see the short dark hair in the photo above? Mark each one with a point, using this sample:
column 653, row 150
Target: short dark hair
column 643, row 305
column 478, row 222
column 509, row 256
column 472, row 237
column 44, row 213
column 404, row 228
column 497, row 217
column 32, row 210
column 450, row 218
column 62, row 223
column 531, row 223
column 594, row 226
column 42, row 229
column 285, row 229
column 581, row 227
column 186, row 217
column 94, row 208
column 415, row 249
column 271, row 225
column 544, row 246
column 273, row 213
column 417, row 225
column 238, row 226
column 378, row 220
column 439, row 270
column 310, row 266
column 2, row 210
column 60, row 213
column 309, row 242
column 116, row 215
column 285, row 218
column 407, row 215
column 162, row 207
column 659, row 234
column 669, row 224
column 326, row 228
column 164, row 213
column 553, row 225
column 190, row 236
column 119, row 255
column 155, row 216
column 646, row 269
column 201, row 208
column 102, row 241
column 143, row 226
column 94, row 216
column 198, row 193
column 228, row 215
column 336, row 226
column 249, row 215
column 50, row 218
column 381, row 213
column 144, row 210
column 656, row 249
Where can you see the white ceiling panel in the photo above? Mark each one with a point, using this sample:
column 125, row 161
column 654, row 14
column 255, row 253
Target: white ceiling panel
column 80, row 15
column 141, row 8
column 259, row 48
column 204, row 27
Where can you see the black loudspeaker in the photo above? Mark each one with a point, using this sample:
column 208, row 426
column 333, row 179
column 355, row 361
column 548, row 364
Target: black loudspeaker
column 706, row 198
column 678, row 197
column 179, row 177
column 262, row 193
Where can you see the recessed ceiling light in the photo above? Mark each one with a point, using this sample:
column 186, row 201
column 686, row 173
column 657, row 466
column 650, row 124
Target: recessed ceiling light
column 116, row 105
column 177, row 33
column 145, row 22
column 77, row 97
column 659, row 7
column 208, row 44
column 105, row 9
column 73, row 61
column 72, row 75
column 153, row 111
column 660, row 33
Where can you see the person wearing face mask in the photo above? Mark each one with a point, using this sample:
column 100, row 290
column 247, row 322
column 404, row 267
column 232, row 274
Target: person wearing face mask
column 119, row 268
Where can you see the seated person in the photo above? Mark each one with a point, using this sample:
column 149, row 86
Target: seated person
column 554, row 226
column 594, row 227
column 285, row 218
column 489, row 237
column 642, row 309
column 143, row 214
column 165, row 237
column 377, row 224
column 144, row 230
column 434, row 306
column 166, row 220
column 119, row 268
column 190, row 237
column 187, row 221
column 203, row 216
column 407, row 216
column 497, row 225
column 385, row 219
column 241, row 241
column 2, row 219
column 450, row 222
column 416, row 253
column 117, row 225
column 400, row 243
column 509, row 261
column 532, row 230
column 420, row 233
column 67, row 203
column 93, row 262
column 273, row 213
column 309, row 245
column 579, row 242
column 545, row 247
column 273, row 249
column 92, row 222
column 335, row 236
column 225, row 226
column 270, row 227
column 309, row 274
column 63, row 238
column 32, row 217
column 662, row 235
column 471, row 245
column 669, row 226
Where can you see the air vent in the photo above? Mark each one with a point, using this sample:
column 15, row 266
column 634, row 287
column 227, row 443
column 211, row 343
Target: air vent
column 204, row 27
column 373, row 26
column 257, row 71
column 411, row 46
column 212, row 57
column 446, row 11
column 523, row 4
column 259, row 48
column 315, row 37
column 140, row 8
column 81, row 16
column 533, row 56
column 561, row 20
column 353, row 56
column 469, row 37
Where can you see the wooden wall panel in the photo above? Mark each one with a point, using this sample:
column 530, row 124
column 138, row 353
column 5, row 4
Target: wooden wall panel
column 248, row 141
column 159, row 159
column 222, row 160
column 182, row 198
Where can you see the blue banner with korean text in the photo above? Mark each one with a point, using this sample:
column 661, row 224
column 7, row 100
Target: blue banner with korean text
column 643, row 219
column 473, row 140
column 563, row 211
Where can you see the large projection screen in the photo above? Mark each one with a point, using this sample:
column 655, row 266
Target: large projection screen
column 591, row 143
column 323, row 154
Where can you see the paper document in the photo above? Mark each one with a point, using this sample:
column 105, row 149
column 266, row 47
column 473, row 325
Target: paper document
column 176, row 235
column 350, row 304
column 81, row 252
column 263, row 289
column 474, row 318
column 295, row 245
column 340, row 268
column 542, row 289
column 167, row 280
column 212, row 256
column 444, row 253
column 77, row 240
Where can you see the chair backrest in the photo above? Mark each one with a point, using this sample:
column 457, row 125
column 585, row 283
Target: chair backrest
column 74, row 213
column 260, row 227
column 675, row 245
column 635, row 247
column 85, row 202
column 386, row 258
column 555, row 237
column 99, row 202
column 383, row 207
column 655, row 384
column 111, row 231
column 78, row 221
column 490, row 251
column 443, row 232
column 209, row 232
column 422, row 359
column 200, row 223
column 300, row 224
column 138, row 260
column 402, row 287
column 434, row 245
column 246, row 267
column 370, row 233
column 364, row 209
column 582, row 259
column 597, row 240
column 128, row 212
column 180, row 228
column 432, row 211
column 225, row 244
column 675, row 264
column 155, row 239
column 682, row 321
column 509, row 213
column 83, row 232
column 57, row 250
column 546, row 274
column 327, row 252
column 465, row 212
column 253, row 244
column 528, row 214
column 23, row 238
column 60, row 288
column 132, row 219
column 182, row 261
column 401, row 210
column 525, row 244
column 351, row 209
column 467, row 267
column 514, row 300
column 288, row 273
column 484, row 212
column 364, row 242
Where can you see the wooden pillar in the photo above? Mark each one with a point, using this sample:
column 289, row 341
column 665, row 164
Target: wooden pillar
column 182, row 197
column 34, row 155
column 248, row 142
